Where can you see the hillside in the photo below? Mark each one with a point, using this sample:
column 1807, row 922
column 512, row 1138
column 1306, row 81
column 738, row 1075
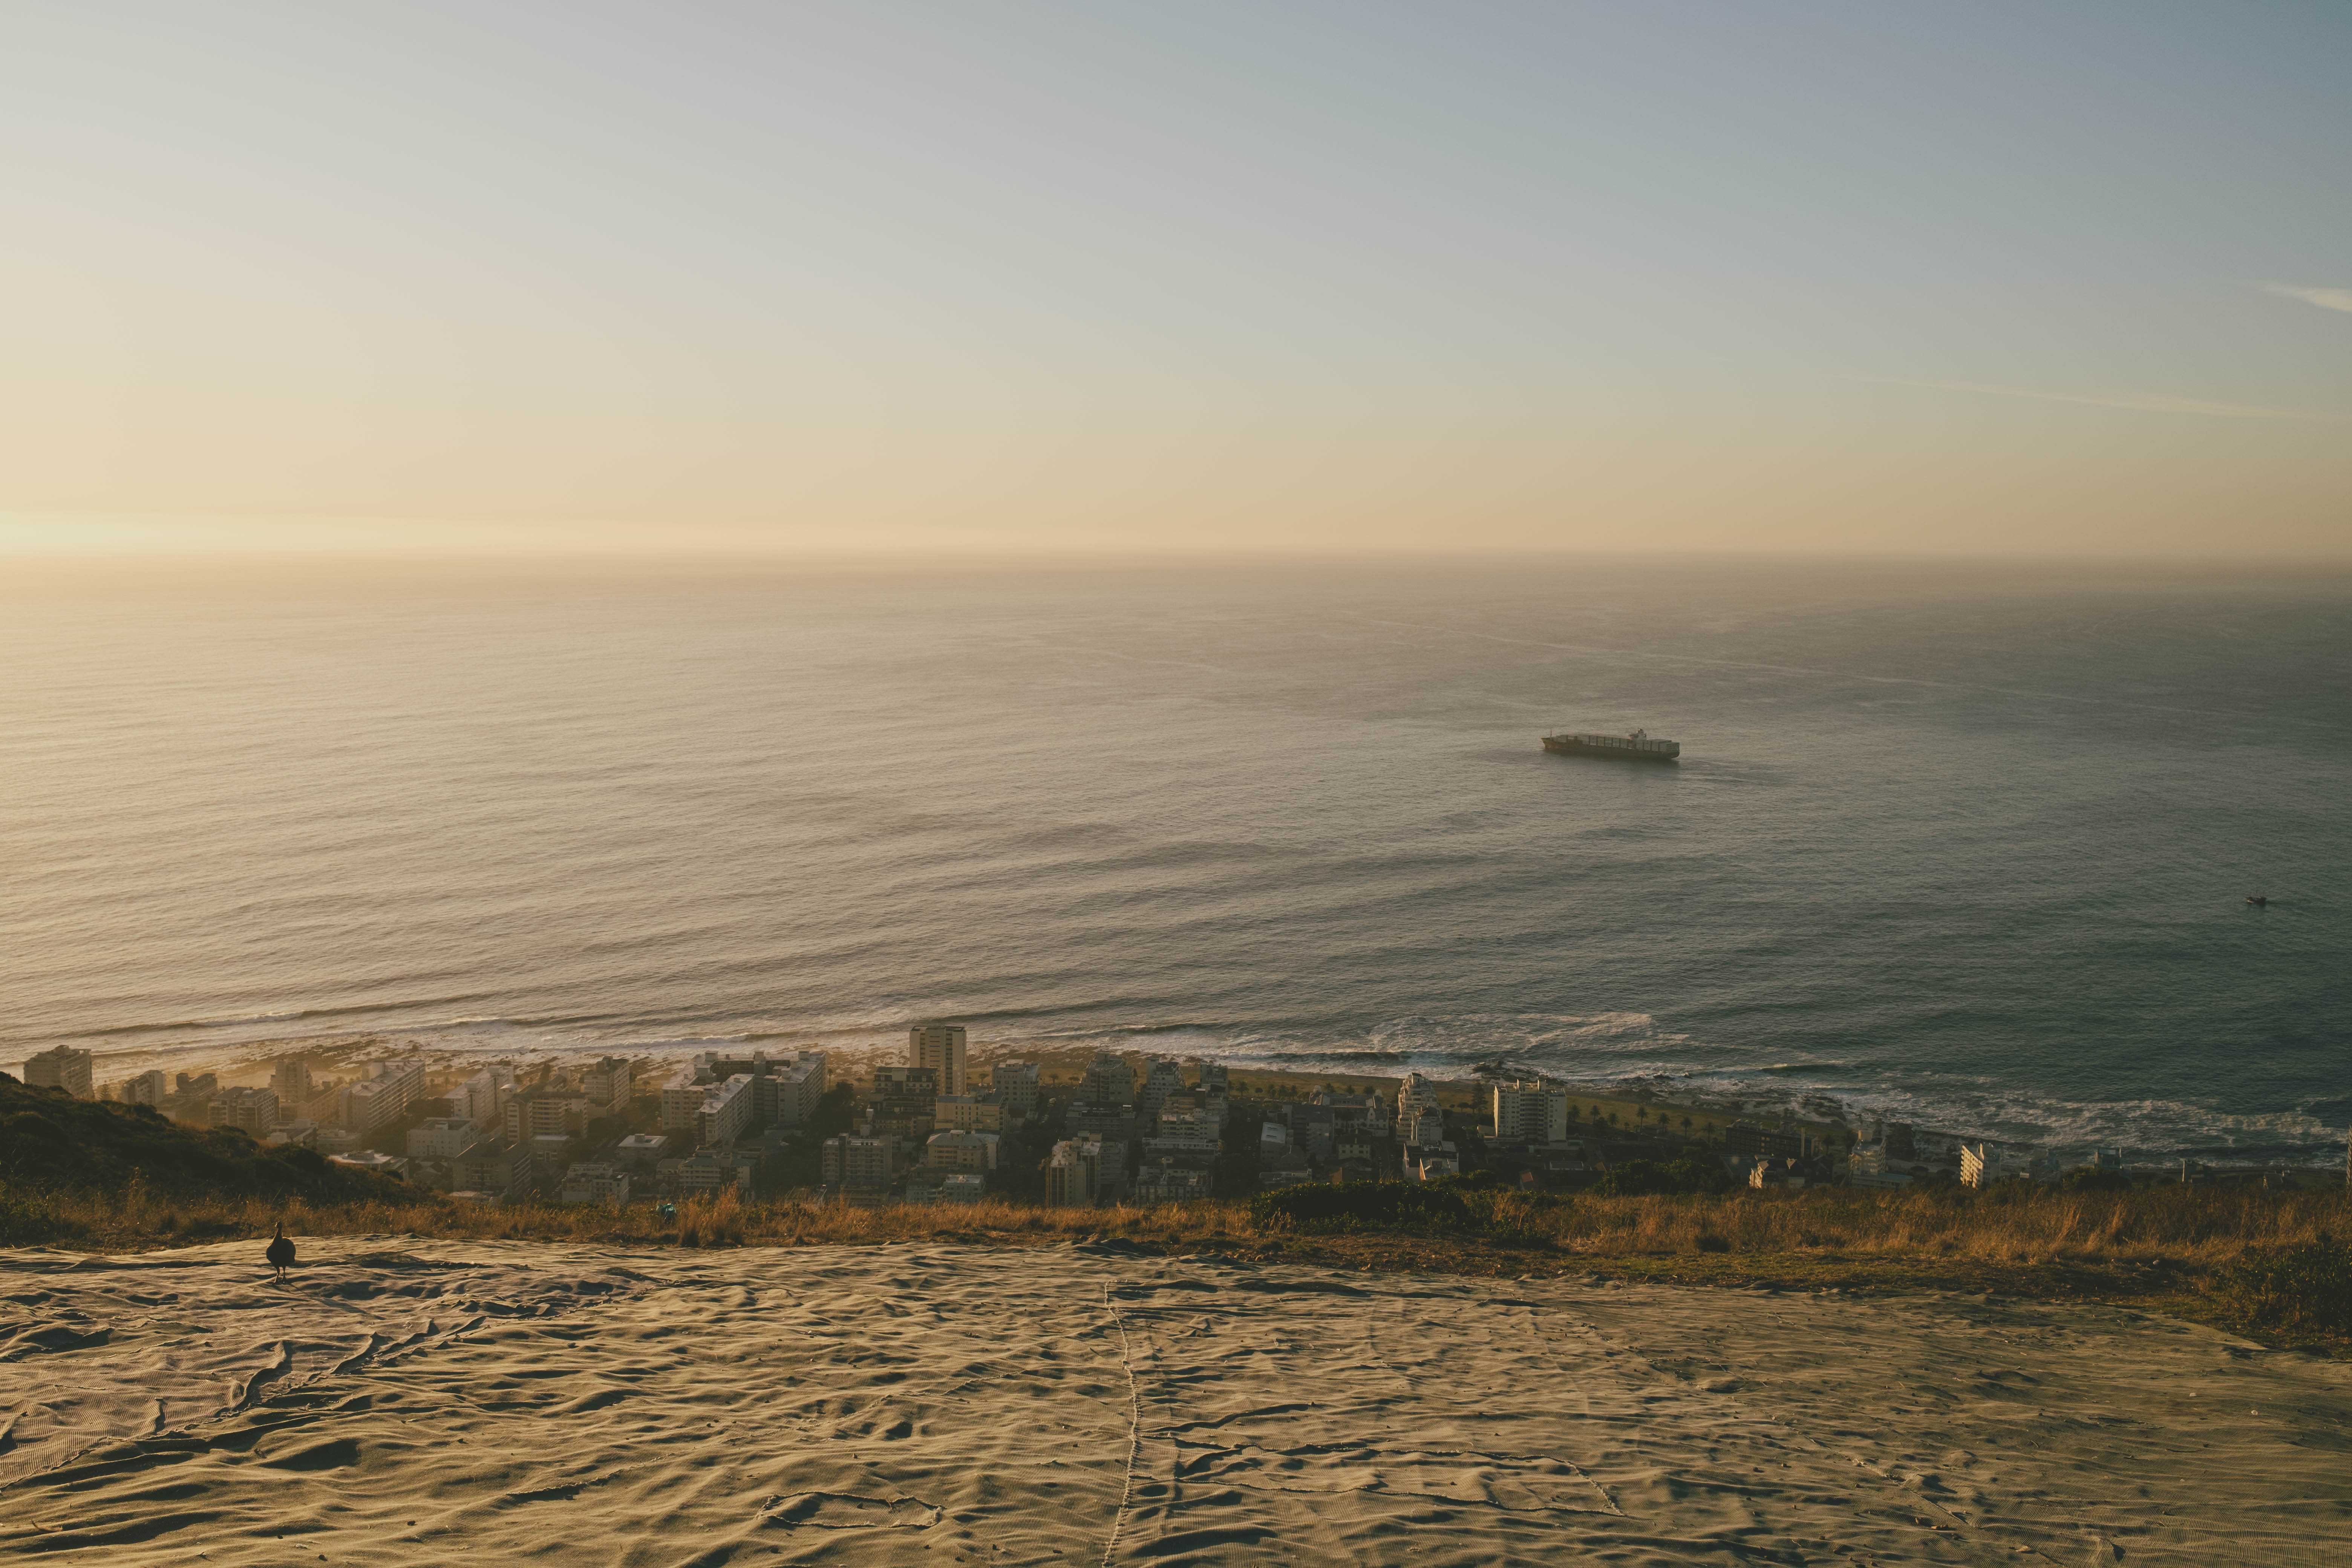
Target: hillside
column 51, row 1142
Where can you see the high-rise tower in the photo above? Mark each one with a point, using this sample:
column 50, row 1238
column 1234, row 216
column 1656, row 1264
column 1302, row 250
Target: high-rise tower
column 941, row 1048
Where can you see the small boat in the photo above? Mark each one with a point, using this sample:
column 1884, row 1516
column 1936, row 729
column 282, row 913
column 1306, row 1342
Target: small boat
column 2258, row 900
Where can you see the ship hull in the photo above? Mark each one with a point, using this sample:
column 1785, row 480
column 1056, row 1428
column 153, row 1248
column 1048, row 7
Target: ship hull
column 1568, row 746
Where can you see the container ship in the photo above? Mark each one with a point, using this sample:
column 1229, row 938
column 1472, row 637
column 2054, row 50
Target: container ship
column 1641, row 746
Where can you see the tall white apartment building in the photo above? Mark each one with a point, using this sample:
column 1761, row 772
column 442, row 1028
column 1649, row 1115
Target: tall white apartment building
column 608, row 1085
column 1109, row 1080
column 798, row 1087
column 290, row 1082
column 385, row 1096
column 62, row 1067
column 482, row 1098
column 941, row 1048
column 725, row 1111
column 1530, row 1110
column 681, row 1103
column 147, row 1088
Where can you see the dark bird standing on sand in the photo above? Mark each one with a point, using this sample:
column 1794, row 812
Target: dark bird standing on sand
column 281, row 1251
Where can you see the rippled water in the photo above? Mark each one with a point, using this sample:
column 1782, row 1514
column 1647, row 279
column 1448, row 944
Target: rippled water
column 1964, row 843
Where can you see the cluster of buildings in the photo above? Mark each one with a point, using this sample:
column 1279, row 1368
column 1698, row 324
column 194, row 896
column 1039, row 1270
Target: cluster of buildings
column 928, row 1130
column 334, row 1116
column 935, row 1128
column 1149, row 1138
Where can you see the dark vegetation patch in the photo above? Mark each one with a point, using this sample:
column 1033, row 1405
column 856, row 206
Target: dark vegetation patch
column 51, row 1142
column 2302, row 1290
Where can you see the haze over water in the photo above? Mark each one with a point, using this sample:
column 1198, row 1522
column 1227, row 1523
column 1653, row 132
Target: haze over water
column 1952, row 843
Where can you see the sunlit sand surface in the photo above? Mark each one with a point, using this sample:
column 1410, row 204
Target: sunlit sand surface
column 402, row 1402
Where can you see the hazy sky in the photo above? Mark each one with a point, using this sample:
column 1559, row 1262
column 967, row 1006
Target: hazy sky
column 1964, row 276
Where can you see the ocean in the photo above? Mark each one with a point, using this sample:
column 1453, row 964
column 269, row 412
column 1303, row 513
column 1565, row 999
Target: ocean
column 1967, row 844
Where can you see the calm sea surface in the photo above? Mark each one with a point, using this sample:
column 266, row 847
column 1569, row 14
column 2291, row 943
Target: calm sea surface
column 1963, row 843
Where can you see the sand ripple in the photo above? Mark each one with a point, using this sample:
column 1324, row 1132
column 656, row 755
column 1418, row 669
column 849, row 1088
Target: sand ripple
column 404, row 1401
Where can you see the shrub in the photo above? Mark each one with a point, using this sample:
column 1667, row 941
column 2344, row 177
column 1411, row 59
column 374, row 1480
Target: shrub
column 2306, row 1287
column 2091, row 1179
column 1648, row 1178
column 1366, row 1206
column 24, row 1224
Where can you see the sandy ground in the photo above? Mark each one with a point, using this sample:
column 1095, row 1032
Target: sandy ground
column 406, row 1402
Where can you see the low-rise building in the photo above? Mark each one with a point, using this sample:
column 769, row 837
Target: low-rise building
column 595, row 1182
column 547, row 1110
column 1015, row 1085
column 1745, row 1138
column 442, row 1138
column 1367, row 1111
column 551, row 1154
column 710, row 1172
column 60, row 1067
column 641, row 1151
column 849, row 1162
column 962, row 1187
column 1183, row 1136
column 1113, row 1124
column 1166, row 1183
column 190, row 1099
column 961, row 1151
column 968, row 1113
column 1282, row 1166
column 153, row 1088
column 902, row 1100
column 1426, row 1163
column 252, row 1111
column 381, row 1163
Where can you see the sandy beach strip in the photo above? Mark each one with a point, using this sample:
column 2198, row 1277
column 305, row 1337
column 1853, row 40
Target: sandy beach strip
column 402, row 1401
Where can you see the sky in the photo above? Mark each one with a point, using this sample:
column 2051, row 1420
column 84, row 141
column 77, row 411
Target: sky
column 977, row 277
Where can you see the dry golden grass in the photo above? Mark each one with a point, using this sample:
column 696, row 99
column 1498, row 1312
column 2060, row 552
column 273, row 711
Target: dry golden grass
column 2168, row 1249
column 2193, row 1228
